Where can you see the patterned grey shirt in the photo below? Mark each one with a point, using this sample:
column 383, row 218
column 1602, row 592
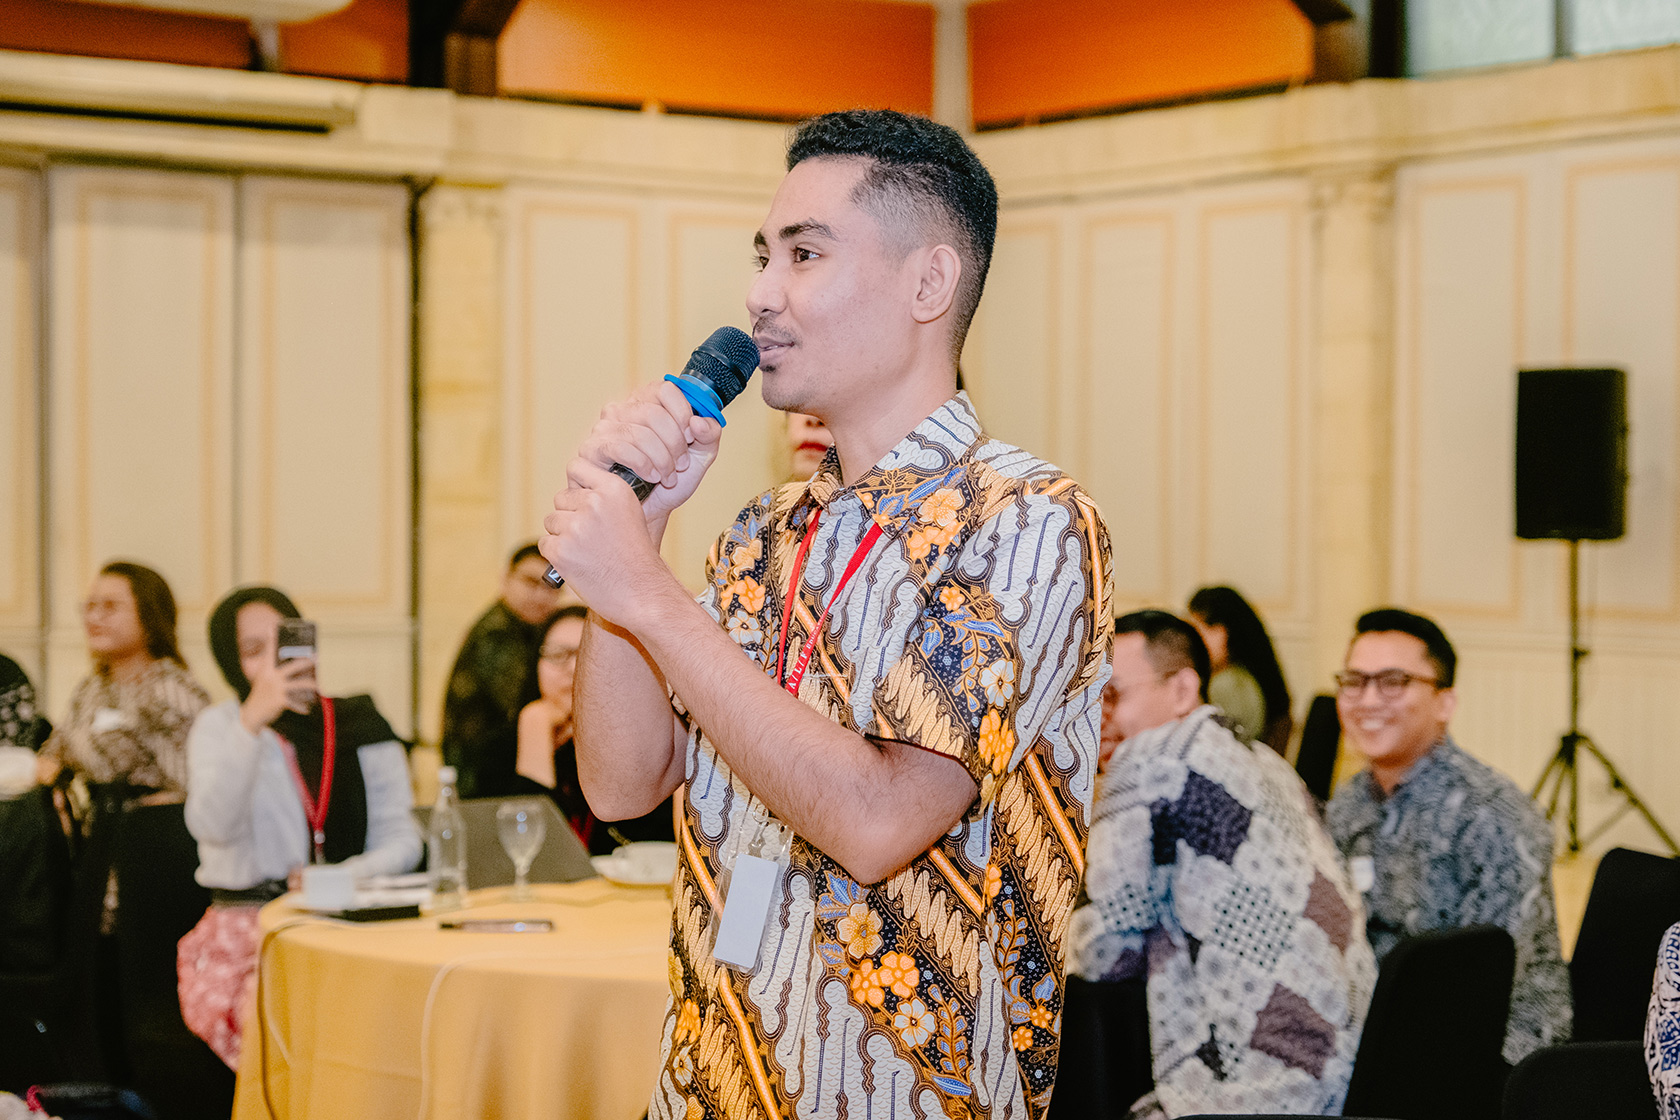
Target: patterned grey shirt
column 1458, row 844
column 1209, row 871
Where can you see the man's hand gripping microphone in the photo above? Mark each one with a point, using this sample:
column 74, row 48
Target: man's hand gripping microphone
column 716, row 373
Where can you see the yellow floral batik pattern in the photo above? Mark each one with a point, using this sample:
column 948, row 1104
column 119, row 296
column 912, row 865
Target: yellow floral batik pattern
column 976, row 629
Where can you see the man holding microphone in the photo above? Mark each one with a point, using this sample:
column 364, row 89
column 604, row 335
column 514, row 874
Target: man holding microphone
column 885, row 704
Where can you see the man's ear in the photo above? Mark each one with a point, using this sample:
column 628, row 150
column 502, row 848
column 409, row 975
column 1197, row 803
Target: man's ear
column 1446, row 703
column 1186, row 690
column 938, row 272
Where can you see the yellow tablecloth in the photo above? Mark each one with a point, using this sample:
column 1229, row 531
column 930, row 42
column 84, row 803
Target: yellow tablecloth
column 402, row 1019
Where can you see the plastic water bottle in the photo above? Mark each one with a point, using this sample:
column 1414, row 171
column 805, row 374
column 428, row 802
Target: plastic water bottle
column 446, row 847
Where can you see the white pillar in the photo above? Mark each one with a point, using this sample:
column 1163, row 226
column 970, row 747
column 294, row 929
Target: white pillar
column 950, row 65
column 1352, row 403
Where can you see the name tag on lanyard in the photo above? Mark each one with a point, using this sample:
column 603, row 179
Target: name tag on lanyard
column 746, row 912
column 754, row 879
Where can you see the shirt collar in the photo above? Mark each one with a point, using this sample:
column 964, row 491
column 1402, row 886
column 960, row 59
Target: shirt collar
column 932, row 456
column 1421, row 775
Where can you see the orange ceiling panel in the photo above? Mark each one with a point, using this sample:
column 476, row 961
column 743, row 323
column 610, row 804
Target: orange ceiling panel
column 367, row 41
column 66, row 27
column 762, row 58
column 1035, row 59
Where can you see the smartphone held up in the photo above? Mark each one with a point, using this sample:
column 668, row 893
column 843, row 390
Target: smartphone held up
column 296, row 642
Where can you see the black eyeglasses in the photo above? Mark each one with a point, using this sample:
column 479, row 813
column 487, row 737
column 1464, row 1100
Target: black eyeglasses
column 1391, row 683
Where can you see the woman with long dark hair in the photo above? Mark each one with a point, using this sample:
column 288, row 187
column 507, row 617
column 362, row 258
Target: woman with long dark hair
column 128, row 719
column 547, row 761
column 1247, row 680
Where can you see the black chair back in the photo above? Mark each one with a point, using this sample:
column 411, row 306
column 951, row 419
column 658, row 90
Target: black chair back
column 1105, row 1064
column 159, row 903
column 1600, row 1080
column 47, row 1027
column 1433, row 1036
column 1321, row 739
column 1635, row 898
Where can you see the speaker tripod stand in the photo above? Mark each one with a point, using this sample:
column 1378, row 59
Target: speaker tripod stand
column 1563, row 769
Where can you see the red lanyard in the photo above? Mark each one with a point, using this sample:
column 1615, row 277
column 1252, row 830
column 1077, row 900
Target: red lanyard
column 791, row 683
column 316, row 812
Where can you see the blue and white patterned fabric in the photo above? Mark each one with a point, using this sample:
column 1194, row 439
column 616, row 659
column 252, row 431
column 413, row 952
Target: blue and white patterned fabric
column 1208, row 872
column 1458, row 844
column 1662, row 1027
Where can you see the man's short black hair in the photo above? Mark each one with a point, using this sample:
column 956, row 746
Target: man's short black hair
column 922, row 174
column 1386, row 620
column 1170, row 642
column 522, row 553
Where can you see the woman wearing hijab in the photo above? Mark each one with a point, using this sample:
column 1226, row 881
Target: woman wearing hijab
column 280, row 778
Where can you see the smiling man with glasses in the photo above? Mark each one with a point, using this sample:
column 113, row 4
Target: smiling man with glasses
column 1434, row 838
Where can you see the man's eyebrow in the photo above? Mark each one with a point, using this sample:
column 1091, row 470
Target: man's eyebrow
column 798, row 229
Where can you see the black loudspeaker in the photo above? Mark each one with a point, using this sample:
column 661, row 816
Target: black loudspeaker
column 1571, row 454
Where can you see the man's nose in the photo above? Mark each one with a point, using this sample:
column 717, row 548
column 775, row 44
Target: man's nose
column 764, row 297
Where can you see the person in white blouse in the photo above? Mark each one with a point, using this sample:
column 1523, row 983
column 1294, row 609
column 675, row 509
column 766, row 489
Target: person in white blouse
column 279, row 778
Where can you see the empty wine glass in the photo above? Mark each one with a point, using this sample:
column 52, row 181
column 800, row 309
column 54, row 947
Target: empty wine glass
column 520, row 825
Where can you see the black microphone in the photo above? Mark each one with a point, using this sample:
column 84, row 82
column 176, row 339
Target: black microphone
column 717, row 371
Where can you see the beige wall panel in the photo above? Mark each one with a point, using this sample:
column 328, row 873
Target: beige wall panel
column 142, row 275
column 1623, row 309
column 1513, row 700
column 1464, row 295
column 1249, row 352
column 711, row 268
column 1127, row 393
column 1011, row 357
column 20, row 603
column 324, row 418
column 571, row 343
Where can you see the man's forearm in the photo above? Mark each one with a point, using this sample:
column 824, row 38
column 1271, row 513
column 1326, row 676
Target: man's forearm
column 625, row 732
column 872, row 808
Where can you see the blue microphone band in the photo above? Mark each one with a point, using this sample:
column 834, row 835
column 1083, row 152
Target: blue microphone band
column 701, row 395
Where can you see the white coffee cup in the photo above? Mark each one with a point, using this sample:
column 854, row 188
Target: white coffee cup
column 328, row 887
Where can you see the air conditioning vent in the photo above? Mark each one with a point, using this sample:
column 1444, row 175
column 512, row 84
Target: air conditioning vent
column 165, row 92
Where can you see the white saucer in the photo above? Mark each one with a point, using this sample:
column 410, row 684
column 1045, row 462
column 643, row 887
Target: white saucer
column 648, row 863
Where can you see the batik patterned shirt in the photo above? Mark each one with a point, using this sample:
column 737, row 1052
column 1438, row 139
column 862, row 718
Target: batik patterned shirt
column 133, row 730
column 17, row 705
column 1210, row 875
column 1458, row 844
column 1662, row 1028
column 975, row 628
column 492, row 680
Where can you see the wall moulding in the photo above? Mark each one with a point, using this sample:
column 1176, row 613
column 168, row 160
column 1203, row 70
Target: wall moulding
column 395, row 132
column 1337, row 126
column 424, row 132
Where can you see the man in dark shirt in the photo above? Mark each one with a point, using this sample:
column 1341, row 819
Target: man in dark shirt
column 492, row 680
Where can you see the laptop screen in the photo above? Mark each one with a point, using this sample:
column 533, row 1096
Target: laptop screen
column 561, row 859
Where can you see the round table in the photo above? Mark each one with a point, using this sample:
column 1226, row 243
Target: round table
column 402, row 1019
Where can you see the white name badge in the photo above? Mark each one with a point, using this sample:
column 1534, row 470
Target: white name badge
column 109, row 719
column 746, row 911
column 1364, row 873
